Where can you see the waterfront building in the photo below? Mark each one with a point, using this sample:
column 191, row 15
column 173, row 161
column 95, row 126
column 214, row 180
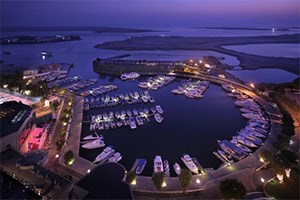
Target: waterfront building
column 16, row 119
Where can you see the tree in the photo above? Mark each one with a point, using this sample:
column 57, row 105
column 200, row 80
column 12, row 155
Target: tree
column 185, row 178
column 69, row 158
column 158, row 179
column 130, row 177
column 232, row 189
column 266, row 156
column 59, row 144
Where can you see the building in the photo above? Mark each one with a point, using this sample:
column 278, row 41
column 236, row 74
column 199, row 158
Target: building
column 16, row 119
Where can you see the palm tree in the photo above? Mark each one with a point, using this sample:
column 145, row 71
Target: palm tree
column 232, row 189
column 185, row 178
column 158, row 179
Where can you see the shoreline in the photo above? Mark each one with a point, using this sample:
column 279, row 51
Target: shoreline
column 247, row 61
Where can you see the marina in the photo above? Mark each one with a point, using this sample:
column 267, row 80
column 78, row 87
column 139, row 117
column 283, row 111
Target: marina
column 100, row 90
column 117, row 99
column 192, row 89
column 132, row 118
column 251, row 136
column 156, row 82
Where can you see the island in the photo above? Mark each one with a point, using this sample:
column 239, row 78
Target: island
column 247, row 61
column 36, row 39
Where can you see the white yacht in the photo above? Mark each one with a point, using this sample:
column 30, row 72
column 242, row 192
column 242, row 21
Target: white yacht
column 106, row 152
column 159, row 109
column 132, row 75
column 158, row 117
column 188, row 161
column 158, row 164
column 132, row 123
column 115, row 158
column 177, row 168
column 94, row 144
column 93, row 137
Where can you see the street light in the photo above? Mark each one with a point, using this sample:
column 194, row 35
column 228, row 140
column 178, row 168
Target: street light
column 88, row 171
column 262, row 180
column 57, row 156
column 252, row 85
column 164, row 184
column 198, row 181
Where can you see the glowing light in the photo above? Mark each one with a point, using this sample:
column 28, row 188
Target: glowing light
column 288, row 172
column 133, row 182
column 280, row 177
column 273, row 30
column 164, row 184
column 200, row 61
column 262, row 180
column 88, row 171
column 191, row 60
column 43, row 57
column 5, row 86
column 198, row 181
column 27, row 92
column 252, row 85
column 57, row 156
column 261, row 160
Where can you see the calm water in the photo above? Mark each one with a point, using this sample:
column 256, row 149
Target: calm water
column 264, row 75
column 272, row 50
column 189, row 126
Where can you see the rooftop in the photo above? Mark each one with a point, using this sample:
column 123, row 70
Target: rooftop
column 12, row 116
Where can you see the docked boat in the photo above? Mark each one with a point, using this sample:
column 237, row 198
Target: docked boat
column 177, row 168
column 158, row 164
column 159, row 109
column 104, row 154
column 132, row 123
column 115, row 158
column 158, row 117
column 140, row 166
column 232, row 149
column 132, row 75
column 167, row 168
column 188, row 161
column 139, row 120
column 94, row 144
column 93, row 137
column 244, row 141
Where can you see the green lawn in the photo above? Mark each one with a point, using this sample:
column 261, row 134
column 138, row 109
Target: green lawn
column 289, row 189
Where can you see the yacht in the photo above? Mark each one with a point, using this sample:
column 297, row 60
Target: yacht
column 140, row 166
column 104, row 154
column 139, row 120
column 158, row 117
column 94, row 144
column 158, row 165
column 115, row 158
column 132, row 123
column 244, row 141
column 167, row 168
column 159, row 109
column 188, row 161
column 93, row 137
column 132, row 75
column 177, row 168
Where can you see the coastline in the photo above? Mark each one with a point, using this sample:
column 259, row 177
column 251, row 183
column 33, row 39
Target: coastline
column 247, row 61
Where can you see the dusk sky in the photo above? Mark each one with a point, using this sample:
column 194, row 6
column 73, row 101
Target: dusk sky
column 150, row 13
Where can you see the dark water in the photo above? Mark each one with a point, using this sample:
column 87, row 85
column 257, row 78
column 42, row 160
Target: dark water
column 189, row 126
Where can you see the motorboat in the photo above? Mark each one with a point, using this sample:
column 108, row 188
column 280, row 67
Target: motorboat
column 188, row 161
column 93, row 137
column 177, row 168
column 140, row 166
column 158, row 117
column 104, row 154
column 158, row 164
column 94, row 144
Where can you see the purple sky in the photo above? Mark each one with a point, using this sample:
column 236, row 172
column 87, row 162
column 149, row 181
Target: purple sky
column 150, row 13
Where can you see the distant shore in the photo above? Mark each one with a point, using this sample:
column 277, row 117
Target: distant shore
column 247, row 61
column 89, row 28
